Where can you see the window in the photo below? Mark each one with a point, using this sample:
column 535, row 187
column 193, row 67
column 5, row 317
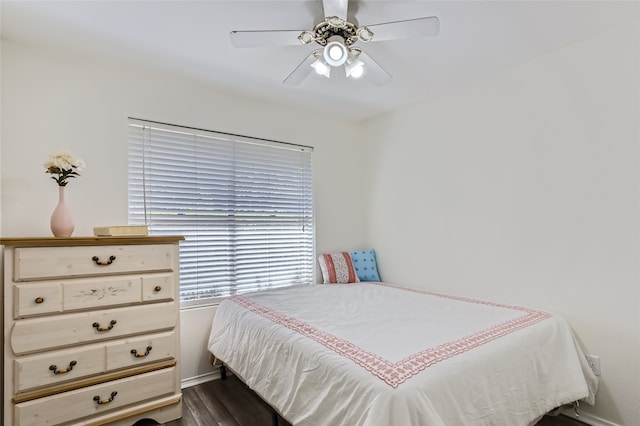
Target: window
column 244, row 206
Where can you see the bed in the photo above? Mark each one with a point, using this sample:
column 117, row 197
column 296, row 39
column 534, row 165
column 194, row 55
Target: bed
column 382, row 354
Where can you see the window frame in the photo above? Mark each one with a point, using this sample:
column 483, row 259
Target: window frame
column 306, row 214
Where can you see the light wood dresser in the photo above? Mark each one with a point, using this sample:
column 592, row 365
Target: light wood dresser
column 91, row 330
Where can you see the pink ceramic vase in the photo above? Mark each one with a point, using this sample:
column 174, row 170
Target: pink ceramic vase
column 61, row 220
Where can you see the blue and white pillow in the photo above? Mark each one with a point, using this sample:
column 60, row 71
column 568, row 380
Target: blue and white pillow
column 364, row 262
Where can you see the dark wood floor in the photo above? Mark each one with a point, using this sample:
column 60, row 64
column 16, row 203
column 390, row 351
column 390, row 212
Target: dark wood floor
column 230, row 403
column 224, row 403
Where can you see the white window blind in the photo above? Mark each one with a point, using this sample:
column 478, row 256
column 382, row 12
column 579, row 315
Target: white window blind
column 244, row 206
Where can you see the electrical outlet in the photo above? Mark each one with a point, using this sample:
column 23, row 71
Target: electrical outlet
column 594, row 363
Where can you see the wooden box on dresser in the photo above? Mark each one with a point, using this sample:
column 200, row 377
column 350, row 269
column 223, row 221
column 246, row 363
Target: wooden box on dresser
column 91, row 330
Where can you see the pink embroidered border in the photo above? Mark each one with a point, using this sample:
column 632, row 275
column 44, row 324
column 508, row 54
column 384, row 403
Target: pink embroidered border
column 397, row 373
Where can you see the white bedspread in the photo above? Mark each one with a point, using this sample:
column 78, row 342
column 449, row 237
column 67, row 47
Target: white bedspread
column 378, row 354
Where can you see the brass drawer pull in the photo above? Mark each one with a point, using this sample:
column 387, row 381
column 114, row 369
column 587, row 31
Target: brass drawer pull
column 39, row 300
column 157, row 288
column 137, row 355
column 96, row 325
column 66, row 370
column 102, row 263
column 101, row 401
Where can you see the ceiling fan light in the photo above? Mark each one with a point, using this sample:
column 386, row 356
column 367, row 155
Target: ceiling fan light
column 354, row 69
column 335, row 53
column 321, row 68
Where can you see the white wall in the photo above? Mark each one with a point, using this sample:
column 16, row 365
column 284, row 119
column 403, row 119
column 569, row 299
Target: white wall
column 525, row 188
column 53, row 100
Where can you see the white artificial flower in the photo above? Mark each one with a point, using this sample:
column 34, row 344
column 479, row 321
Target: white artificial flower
column 63, row 166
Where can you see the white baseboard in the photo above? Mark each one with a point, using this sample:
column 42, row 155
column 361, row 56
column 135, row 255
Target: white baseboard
column 588, row 418
column 192, row 381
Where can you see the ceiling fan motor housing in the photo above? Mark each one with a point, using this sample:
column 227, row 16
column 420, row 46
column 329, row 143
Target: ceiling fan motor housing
column 334, row 26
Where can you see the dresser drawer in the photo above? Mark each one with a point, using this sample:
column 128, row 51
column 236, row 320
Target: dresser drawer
column 46, row 297
column 95, row 400
column 37, row 334
column 99, row 293
column 37, row 299
column 36, row 371
column 140, row 350
column 42, row 263
column 158, row 287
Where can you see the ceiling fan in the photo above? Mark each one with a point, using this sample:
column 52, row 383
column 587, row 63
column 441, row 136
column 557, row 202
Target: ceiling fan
column 336, row 37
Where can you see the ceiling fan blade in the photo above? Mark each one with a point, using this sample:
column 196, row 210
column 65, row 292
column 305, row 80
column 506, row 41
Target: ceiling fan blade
column 265, row 38
column 373, row 71
column 301, row 72
column 410, row 28
column 335, row 8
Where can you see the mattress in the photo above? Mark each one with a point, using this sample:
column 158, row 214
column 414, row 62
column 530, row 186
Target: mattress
column 383, row 354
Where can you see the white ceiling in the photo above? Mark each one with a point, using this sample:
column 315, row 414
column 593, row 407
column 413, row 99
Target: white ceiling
column 477, row 38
